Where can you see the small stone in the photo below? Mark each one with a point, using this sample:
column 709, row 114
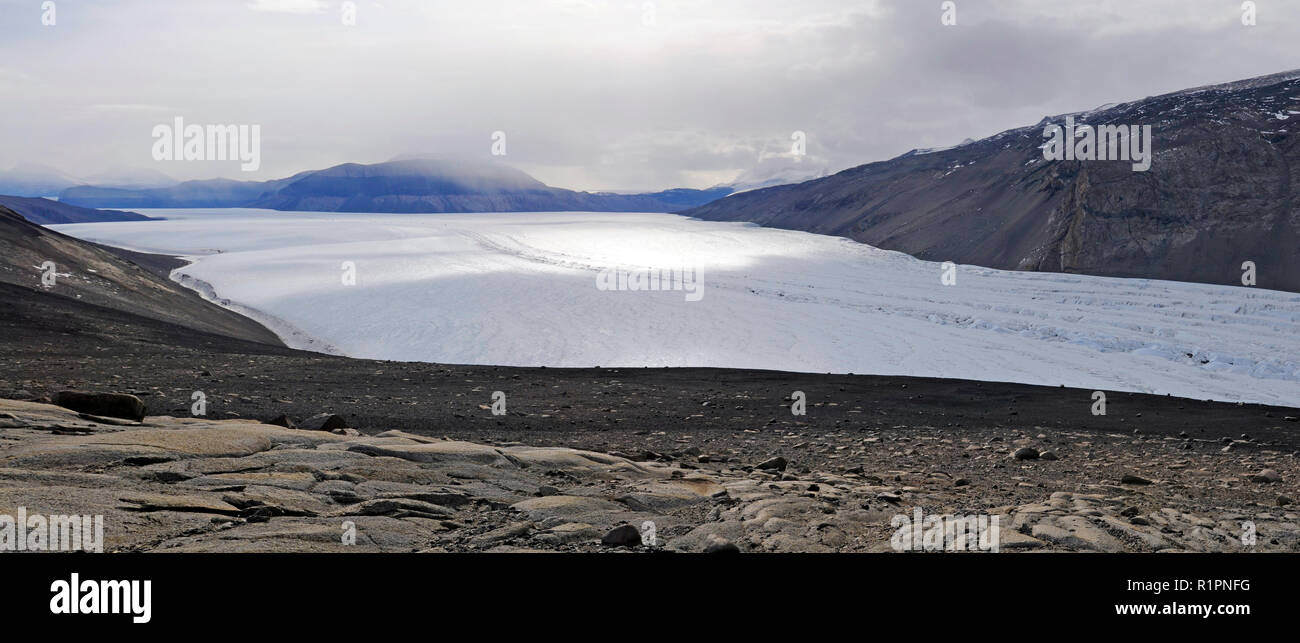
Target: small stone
column 1132, row 479
column 547, row 490
column 1025, row 453
column 890, row 497
column 1049, row 455
column 961, row 482
column 1129, row 512
column 718, row 545
column 1283, row 501
column 1266, row 476
column 778, row 464
column 624, row 536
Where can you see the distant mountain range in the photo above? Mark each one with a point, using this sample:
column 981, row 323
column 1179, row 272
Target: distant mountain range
column 1221, row 191
column 403, row 186
column 37, row 180
column 46, row 212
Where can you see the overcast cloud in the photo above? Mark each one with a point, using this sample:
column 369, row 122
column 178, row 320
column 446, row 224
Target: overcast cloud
column 590, row 95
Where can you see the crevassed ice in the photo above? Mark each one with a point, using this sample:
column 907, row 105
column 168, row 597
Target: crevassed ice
column 520, row 289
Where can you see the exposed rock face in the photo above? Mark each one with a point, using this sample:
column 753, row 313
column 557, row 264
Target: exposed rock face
column 1219, row 192
column 187, row 484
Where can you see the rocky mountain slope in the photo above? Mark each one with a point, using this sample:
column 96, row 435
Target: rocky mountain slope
column 405, row 186
column 1220, row 191
column 95, row 282
column 46, row 212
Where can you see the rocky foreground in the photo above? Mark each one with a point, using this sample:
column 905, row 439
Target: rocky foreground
column 199, row 485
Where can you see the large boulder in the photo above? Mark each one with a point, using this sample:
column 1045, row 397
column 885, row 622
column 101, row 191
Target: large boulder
column 116, row 405
column 322, row 422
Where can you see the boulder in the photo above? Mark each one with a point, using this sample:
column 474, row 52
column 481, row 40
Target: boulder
column 622, row 536
column 1026, row 453
column 116, row 405
column 322, row 422
column 718, row 545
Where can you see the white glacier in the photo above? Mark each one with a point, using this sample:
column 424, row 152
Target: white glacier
column 520, row 289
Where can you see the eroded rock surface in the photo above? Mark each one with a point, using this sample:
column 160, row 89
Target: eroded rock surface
column 187, row 484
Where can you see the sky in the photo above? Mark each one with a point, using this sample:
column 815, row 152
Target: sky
column 594, row 94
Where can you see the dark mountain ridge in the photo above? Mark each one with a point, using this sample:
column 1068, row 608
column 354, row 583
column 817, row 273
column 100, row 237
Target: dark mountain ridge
column 403, row 186
column 47, row 212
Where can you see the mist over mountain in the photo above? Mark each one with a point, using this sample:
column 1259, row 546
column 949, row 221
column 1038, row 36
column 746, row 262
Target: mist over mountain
column 399, row 186
column 36, row 180
column 1220, row 191
column 137, row 178
column 781, row 170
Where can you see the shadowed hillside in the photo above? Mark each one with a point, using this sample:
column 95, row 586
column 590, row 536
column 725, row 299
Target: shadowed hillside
column 1219, row 192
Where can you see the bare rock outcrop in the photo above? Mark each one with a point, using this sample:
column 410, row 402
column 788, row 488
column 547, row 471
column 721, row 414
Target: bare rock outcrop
column 194, row 484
